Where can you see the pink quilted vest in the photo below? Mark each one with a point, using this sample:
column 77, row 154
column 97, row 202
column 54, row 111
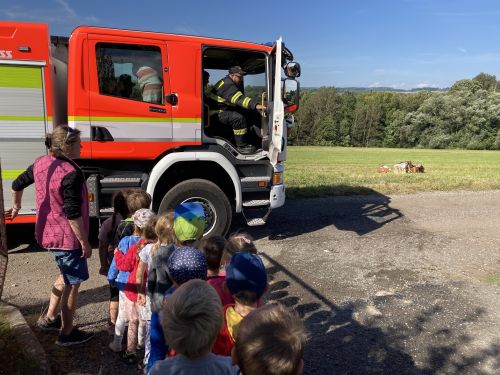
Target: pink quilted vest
column 52, row 229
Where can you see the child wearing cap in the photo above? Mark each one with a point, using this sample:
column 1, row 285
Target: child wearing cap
column 192, row 318
column 236, row 243
column 188, row 226
column 271, row 340
column 185, row 263
column 127, row 310
column 246, row 279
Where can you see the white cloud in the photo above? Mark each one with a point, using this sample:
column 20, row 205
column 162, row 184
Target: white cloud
column 379, row 72
column 401, row 85
column 463, row 50
column 65, row 6
column 426, row 84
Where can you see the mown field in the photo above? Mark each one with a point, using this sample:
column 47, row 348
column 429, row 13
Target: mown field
column 326, row 171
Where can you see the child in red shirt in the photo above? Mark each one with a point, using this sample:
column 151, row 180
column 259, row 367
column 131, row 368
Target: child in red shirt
column 236, row 243
column 246, row 279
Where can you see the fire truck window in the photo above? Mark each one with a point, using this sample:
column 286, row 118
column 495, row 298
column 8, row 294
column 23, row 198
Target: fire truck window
column 130, row 71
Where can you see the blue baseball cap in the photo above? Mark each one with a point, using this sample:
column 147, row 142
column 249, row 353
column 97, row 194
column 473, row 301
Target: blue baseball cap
column 246, row 271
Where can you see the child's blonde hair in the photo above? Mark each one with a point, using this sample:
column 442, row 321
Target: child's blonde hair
column 192, row 318
column 149, row 232
column 236, row 243
column 271, row 340
column 164, row 231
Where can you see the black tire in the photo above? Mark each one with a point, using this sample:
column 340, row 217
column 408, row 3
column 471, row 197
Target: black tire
column 217, row 208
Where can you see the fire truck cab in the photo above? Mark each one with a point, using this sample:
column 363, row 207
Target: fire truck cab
column 138, row 99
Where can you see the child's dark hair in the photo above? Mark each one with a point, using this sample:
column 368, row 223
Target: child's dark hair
column 119, row 207
column 246, row 297
column 120, row 203
column 137, row 199
column 213, row 247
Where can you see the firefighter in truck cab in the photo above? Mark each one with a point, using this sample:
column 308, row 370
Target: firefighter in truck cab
column 229, row 95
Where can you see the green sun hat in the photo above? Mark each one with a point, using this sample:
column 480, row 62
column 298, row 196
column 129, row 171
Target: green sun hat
column 189, row 221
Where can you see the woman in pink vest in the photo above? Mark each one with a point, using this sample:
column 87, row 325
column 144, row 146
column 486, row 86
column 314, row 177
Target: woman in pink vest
column 62, row 226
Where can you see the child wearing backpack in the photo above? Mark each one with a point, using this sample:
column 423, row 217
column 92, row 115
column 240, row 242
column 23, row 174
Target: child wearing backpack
column 106, row 250
column 129, row 262
column 126, row 309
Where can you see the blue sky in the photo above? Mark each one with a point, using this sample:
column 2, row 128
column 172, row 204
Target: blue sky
column 396, row 43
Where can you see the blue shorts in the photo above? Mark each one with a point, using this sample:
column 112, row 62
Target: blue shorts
column 73, row 267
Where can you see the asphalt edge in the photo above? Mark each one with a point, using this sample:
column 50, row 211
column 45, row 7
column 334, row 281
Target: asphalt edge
column 26, row 338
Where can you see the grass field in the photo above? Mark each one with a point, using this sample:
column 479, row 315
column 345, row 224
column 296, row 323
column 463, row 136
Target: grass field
column 327, row 171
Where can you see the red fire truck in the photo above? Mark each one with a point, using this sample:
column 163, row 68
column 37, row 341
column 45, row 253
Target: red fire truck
column 164, row 140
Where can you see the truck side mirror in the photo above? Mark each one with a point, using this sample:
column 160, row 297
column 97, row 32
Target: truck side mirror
column 292, row 69
column 291, row 93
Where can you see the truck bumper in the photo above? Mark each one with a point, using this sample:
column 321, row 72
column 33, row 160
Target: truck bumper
column 277, row 196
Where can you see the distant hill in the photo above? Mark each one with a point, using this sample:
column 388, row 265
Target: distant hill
column 379, row 89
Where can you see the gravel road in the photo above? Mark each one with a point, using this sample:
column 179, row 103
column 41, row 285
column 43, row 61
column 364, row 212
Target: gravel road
column 386, row 285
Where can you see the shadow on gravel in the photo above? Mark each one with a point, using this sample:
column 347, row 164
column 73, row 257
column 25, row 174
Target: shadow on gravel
column 359, row 214
column 85, row 297
column 342, row 343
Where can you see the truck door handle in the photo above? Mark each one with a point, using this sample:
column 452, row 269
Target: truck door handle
column 101, row 134
column 172, row 99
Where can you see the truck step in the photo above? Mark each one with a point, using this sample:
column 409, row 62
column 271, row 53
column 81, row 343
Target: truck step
column 111, row 182
column 256, row 222
column 107, row 211
column 256, row 215
column 257, row 203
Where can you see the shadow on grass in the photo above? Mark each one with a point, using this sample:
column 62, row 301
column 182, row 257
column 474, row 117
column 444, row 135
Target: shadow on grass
column 343, row 343
column 329, row 191
column 361, row 214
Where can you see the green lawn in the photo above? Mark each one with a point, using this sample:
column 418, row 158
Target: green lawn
column 326, row 171
column 13, row 358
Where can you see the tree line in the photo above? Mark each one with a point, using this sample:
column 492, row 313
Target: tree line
column 465, row 116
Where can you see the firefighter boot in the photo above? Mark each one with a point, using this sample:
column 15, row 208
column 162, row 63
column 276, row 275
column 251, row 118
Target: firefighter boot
column 246, row 149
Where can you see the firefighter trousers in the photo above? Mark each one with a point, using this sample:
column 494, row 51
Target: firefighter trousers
column 239, row 125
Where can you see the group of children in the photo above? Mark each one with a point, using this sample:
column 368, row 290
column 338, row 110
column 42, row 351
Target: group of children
column 195, row 306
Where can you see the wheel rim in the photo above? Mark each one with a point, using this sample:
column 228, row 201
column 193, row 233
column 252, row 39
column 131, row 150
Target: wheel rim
column 210, row 212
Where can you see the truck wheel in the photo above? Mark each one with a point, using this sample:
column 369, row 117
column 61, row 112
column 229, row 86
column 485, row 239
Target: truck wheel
column 218, row 211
